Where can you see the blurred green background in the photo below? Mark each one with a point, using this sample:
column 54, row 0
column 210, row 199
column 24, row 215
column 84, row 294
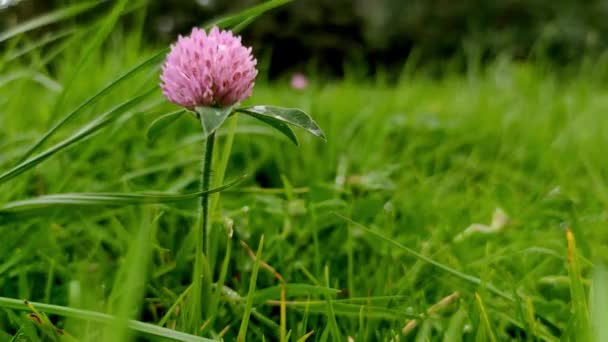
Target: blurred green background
column 331, row 35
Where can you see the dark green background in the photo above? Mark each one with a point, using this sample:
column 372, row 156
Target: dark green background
column 330, row 35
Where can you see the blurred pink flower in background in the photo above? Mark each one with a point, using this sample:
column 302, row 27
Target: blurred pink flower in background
column 299, row 81
column 208, row 69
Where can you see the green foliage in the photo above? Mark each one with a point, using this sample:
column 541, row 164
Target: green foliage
column 405, row 169
column 212, row 118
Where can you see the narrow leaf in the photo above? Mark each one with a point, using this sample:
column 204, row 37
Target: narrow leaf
column 485, row 320
column 279, row 126
column 599, row 303
column 83, row 133
column 46, row 19
column 578, row 298
column 251, row 292
column 244, row 16
column 86, row 52
column 44, row 41
column 291, row 116
column 91, row 100
column 212, row 118
column 161, row 123
column 294, row 290
column 92, row 316
column 105, row 199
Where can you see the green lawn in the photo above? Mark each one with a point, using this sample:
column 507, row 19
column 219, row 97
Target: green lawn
column 366, row 230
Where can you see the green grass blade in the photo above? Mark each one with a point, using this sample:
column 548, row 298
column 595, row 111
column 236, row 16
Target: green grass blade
column 95, row 42
column 349, row 310
column 578, row 297
column 455, row 327
column 128, row 291
column 331, row 313
column 251, row 292
column 104, row 199
column 599, row 304
column 244, row 16
column 91, row 100
column 45, row 40
column 489, row 331
column 46, row 19
column 83, row 133
column 162, row 122
column 92, row 316
column 294, row 290
column 461, row 275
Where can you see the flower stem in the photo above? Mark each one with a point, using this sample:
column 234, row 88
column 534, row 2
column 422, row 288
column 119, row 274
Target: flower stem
column 201, row 282
column 205, row 182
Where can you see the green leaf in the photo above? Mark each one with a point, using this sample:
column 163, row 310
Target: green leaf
column 279, row 126
column 87, row 51
column 93, row 99
column 251, row 292
column 92, row 316
column 48, row 38
column 212, row 118
column 246, row 15
column 161, row 122
column 293, row 290
column 83, row 133
column 104, row 199
column 291, row 116
column 599, row 303
column 350, row 310
column 49, row 18
column 578, row 298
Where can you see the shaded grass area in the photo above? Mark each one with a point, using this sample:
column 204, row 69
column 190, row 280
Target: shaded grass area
column 406, row 168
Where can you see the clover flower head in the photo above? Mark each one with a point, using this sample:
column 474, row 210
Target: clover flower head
column 208, row 69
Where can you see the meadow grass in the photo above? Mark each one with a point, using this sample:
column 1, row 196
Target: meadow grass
column 361, row 236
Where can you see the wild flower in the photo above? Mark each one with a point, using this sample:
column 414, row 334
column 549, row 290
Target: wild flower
column 211, row 69
column 299, row 81
column 210, row 73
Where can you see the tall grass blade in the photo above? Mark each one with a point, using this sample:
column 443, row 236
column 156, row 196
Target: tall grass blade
column 599, row 304
column 162, row 122
column 91, row 100
column 461, row 275
column 251, row 292
column 578, row 297
column 455, row 327
column 104, row 199
column 87, row 51
column 92, row 316
column 489, row 331
column 331, row 313
column 49, row 18
column 129, row 286
column 244, row 16
column 83, row 133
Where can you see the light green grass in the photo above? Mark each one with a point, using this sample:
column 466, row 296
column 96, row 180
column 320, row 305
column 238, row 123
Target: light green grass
column 361, row 228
